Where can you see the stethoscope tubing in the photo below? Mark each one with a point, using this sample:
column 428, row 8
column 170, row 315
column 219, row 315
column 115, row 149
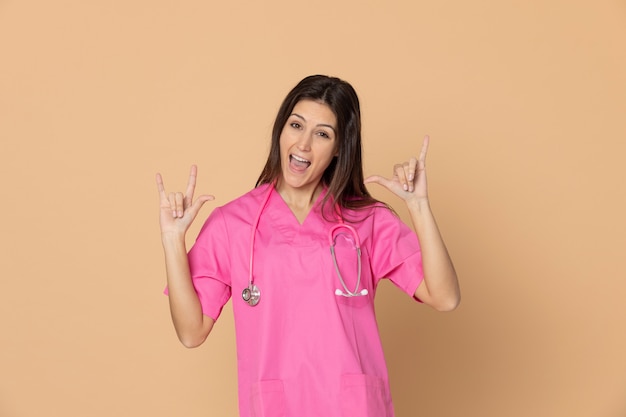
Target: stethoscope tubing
column 357, row 247
column 252, row 294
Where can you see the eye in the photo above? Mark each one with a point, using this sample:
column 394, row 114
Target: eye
column 295, row 125
column 323, row 134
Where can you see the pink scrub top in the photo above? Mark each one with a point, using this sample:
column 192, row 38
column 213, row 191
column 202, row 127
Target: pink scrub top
column 304, row 351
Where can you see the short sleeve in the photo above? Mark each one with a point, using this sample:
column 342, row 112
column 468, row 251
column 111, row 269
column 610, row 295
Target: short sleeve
column 396, row 252
column 209, row 264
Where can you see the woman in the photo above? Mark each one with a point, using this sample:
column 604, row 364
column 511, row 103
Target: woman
column 307, row 339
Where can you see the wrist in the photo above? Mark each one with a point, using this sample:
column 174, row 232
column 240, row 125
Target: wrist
column 172, row 238
column 418, row 204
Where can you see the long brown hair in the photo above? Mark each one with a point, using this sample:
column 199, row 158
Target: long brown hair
column 344, row 175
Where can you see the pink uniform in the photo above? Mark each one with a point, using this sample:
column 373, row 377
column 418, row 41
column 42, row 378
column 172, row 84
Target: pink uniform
column 303, row 350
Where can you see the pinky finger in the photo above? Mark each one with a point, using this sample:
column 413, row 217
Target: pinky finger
column 160, row 186
column 422, row 158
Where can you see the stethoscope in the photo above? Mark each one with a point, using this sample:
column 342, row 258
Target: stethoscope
column 252, row 294
column 357, row 247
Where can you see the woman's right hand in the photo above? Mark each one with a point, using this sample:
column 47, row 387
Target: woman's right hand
column 178, row 210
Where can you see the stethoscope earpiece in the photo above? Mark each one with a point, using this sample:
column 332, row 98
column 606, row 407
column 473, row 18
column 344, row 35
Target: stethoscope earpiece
column 340, row 293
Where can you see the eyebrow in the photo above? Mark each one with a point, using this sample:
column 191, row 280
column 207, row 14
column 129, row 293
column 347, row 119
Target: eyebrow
column 321, row 124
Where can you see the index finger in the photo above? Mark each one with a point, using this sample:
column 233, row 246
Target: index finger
column 191, row 184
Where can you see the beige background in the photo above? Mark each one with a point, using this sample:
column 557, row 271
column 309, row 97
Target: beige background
column 525, row 102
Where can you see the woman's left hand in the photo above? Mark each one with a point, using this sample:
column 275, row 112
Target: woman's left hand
column 409, row 178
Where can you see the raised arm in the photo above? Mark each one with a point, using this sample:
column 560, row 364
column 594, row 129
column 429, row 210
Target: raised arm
column 177, row 212
column 440, row 288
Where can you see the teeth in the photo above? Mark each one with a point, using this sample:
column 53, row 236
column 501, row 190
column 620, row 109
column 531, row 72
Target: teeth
column 297, row 158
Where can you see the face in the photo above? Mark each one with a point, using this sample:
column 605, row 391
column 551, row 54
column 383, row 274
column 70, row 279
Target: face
column 308, row 143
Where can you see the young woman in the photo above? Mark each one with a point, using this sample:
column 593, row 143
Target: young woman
column 307, row 339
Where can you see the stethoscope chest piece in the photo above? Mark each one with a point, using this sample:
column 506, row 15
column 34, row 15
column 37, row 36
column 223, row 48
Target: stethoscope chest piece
column 251, row 295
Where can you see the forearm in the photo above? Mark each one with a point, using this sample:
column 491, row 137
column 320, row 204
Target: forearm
column 192, row 326
column 440, row 288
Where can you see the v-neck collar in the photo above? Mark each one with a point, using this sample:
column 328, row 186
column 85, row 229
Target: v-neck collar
column 284, row 226
column 281, row 205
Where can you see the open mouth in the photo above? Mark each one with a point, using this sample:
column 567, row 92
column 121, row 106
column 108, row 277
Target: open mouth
column 298, row 162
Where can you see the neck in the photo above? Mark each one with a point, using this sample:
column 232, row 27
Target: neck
column 299, row 198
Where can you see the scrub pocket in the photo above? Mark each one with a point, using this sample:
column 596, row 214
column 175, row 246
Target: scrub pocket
column 268, row 399
column 364, row 396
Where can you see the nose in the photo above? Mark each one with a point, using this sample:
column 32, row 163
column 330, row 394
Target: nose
column 304, row 142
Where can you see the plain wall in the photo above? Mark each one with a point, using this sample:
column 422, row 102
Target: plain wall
column 525, row 103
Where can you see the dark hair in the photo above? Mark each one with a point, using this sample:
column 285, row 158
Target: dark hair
column 344, row 175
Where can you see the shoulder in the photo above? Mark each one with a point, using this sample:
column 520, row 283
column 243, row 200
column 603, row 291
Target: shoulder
column 371, row 214
column 231, row 218
column 377, row 222
column 245, row 206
